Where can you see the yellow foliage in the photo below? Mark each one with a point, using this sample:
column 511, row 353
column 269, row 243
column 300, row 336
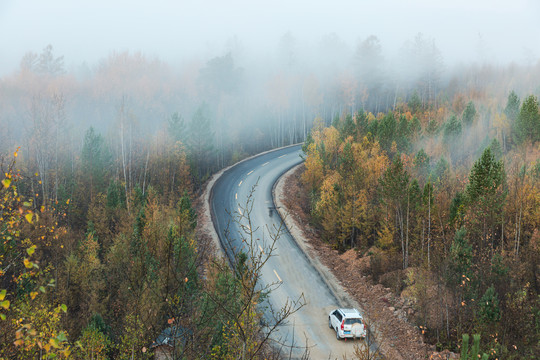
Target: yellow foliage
column 313, row 175
column 327, row 207
column 386, row 237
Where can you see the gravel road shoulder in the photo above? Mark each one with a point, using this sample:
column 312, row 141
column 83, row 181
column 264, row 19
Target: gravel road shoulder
column 398, row 338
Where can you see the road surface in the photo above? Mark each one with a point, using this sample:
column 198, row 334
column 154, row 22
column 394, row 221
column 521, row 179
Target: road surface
column 288, row 266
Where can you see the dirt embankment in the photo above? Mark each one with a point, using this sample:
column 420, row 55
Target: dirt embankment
column 399, row 339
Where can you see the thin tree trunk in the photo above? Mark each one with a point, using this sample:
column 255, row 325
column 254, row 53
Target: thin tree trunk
column 423, row 234
column 124, row 156
column 429, row 229
column 130, row 186
column 400, row 223
column 407, row 234
column 502, row 232
column 145, row 170
column 442, row 229
column 518, row 232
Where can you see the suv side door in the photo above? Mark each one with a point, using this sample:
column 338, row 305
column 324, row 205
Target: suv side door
column 336, row 319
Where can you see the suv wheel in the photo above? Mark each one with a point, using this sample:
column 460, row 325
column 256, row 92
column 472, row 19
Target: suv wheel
column 337, row 335
column 329, row 322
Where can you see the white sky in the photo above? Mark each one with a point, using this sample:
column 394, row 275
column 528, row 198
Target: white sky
column 173, row 30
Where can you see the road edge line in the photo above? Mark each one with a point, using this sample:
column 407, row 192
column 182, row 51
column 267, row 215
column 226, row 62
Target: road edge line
column 207, row 196
column 334, row 285
column 328, row 277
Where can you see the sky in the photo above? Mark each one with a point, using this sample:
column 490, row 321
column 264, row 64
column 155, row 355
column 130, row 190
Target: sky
column 500, row 31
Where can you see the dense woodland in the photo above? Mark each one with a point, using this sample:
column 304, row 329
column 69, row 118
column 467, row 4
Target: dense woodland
column 447, row 208
column 100, row 165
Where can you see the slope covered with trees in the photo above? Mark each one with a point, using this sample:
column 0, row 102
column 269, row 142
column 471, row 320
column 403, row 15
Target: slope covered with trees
column 98, row 246
column 98, row 252
column 447, row 218
column 100, row 270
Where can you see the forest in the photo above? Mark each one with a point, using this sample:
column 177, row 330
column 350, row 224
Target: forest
column 447, row 217
column 431, row 172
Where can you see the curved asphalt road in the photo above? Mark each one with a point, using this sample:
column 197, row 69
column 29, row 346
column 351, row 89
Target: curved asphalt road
column 288, row 266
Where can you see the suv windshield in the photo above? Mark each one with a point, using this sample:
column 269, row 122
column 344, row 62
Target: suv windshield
column 353, row 321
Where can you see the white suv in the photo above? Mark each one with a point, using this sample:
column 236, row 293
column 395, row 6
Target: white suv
column 348, row 323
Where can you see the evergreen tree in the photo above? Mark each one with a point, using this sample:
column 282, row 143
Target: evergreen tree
column 373, row 128
column 415, row 128
column 395, row 183
column 176, row 127
column 468, row 114
column 486, row 194
column 461, row 257
column 403, row 135
column 527, row 124
column 489, row 310
column 512, row 107
column 432, row 128
column 441, row 169
column 456, row 208
column 415, row 103
column 347, row 127
column 361, row 123
column 421, row 163
column 186, row 211
column 496, row 149
column 452, row 129
column 95, row 161
column 474, row 354
column 387, row 131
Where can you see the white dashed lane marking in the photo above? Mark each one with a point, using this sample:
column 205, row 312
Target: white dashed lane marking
column 266, row 163
column 275, row 272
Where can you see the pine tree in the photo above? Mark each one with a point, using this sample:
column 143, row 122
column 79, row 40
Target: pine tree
column 474, row 354
column 512, row 107
column 452, row 129
column 421, row 163
column 489, row 310
column 395, row 182
column 461, row 256
column 176, row 127
column 486, row 194
column 387, row 131
column 527, row 124
column 468, row 114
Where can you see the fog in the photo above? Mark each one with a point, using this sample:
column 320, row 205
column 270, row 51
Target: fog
column 498, row 30
column 257, row 72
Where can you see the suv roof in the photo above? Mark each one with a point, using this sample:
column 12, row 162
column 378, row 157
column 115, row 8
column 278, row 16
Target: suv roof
column 350, row 313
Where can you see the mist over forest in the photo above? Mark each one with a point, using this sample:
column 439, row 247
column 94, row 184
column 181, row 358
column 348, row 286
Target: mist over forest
column 250, row 101
column 420, row 126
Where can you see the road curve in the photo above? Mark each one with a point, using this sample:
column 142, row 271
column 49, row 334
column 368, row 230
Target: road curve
column 288, row 266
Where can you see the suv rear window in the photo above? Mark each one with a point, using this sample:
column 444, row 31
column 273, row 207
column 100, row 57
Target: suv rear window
column 352, row 321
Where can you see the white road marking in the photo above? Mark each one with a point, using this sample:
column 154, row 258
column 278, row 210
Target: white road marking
column 282, row 156
column 266, row 163
column 249, row 173
column 240, row 183
column 275, row 272
column 260, row 248
column 240, row 211
column 236, row 196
